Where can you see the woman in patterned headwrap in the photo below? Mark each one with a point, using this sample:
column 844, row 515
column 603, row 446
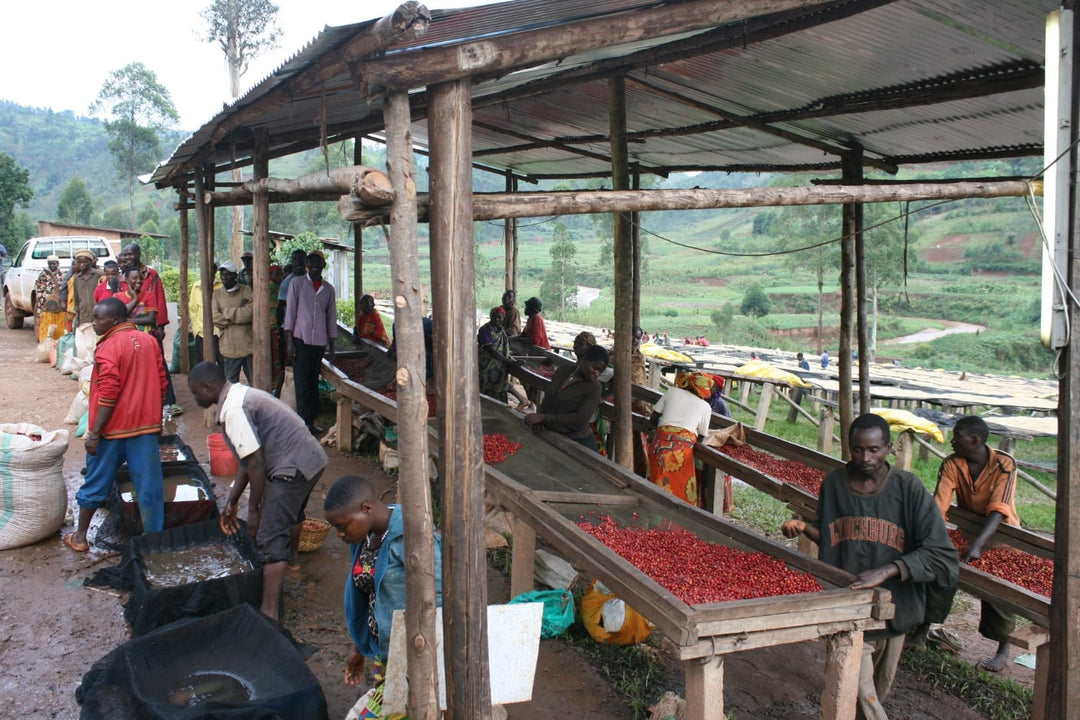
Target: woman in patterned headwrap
column 682, row 417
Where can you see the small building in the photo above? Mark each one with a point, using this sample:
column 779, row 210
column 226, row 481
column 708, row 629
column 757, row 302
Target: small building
column 115, row 236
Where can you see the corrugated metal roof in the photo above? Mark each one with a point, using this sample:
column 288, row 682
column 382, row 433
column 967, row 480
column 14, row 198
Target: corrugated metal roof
column 914, row 79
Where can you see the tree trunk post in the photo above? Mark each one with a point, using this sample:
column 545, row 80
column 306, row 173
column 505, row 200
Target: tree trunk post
column 453, row 288
column 853, row 175
column 411, row 385
column 358, row 240
column 624, row 276
column 825, row 430
column 510, row 240
column 204, row 224
column 848, row 300
column 843, row 659
column 635, row 242
column 185, row 282
column 262, row 360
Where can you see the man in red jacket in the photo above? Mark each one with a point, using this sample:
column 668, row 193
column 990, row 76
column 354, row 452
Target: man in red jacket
column 126, row 391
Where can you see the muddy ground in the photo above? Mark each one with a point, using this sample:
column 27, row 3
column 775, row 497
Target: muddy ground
column 52, row 628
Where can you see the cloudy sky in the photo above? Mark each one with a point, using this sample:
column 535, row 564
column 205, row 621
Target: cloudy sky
column 57, row 53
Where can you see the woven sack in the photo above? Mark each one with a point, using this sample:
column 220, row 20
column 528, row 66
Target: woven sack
column 33, row 499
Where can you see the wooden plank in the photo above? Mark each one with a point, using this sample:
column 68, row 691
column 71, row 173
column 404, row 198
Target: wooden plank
column 522, row 558
column 1004, row 593
column 843, row 661
column 550, row 496
column 704, row 688
column 722, row 644
column 1030, row 637
column 1014, row 536
column 778, row 622
column 809, row 603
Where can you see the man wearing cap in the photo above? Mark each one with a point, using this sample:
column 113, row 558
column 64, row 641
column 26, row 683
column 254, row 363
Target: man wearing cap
column 48, row 309
column 246, row 274
column 310, row 328
column 81, row 286
column 233, row 312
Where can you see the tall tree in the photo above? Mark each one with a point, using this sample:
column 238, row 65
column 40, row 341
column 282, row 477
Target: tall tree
column 75, row 205
column 15, row 190
column 137, row 109
column 243, row 29
column 560, row 286
column 885, row 249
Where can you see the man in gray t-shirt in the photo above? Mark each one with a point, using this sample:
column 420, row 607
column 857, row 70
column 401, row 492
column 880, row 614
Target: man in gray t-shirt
column 277, row 456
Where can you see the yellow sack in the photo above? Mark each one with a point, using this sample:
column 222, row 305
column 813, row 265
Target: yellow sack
column 765, row 371
column 900, row 420
column 633, row 627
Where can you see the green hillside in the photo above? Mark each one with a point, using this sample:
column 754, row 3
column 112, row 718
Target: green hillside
column 972, row 261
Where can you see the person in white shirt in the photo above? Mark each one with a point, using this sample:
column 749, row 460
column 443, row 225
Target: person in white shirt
column 682, row 417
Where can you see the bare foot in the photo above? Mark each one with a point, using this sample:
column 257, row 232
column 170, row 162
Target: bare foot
column 997, row 662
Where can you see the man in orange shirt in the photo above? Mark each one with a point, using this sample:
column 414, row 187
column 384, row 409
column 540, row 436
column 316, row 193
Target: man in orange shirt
column 126, row 392
column 984, row 482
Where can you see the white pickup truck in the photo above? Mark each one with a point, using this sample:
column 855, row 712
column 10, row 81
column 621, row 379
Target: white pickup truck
column 31, row 260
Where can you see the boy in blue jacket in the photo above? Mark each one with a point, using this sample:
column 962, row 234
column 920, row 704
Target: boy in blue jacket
column 376, row 584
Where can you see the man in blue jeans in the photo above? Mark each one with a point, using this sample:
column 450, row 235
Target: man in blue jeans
column 310, row 329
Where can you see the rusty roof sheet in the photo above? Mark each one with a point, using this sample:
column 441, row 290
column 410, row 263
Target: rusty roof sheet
column 909, row 81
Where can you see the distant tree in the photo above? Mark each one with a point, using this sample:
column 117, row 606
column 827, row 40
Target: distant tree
column 755, row 302
column 884, row 256
column 15, row 191
column 75, row 205
column 137, row 110
column 816, row 228
column 560, row 285
column 153, row 251
column 243, row 29
column 114, row 217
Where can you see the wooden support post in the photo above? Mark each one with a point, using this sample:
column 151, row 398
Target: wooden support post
column 1007, row 444
column 624, row 277
column 1032, row 638
column 185, row 283
column 853, row 175
column 744, row 391
column 510, row 249
column 262, row 353
column 413, row 483
column 204, row 224
column 767, row 391
column 705, row 688
column 796, row 401
column 461, row 449
column 344, row 423
column 905, row 449
column 843, row 659
column 358, row 243
column 635, row 244
column 825, row 430
column 522, row 558
column 848, row 299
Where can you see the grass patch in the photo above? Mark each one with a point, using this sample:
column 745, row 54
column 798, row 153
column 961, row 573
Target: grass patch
column 997, row 698
column 759, row 511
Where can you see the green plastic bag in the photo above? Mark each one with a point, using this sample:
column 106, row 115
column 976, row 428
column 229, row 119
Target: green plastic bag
column 66, row 343
column 558, row 610
column 81, row 428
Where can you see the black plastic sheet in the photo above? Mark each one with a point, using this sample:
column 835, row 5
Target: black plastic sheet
column 158, row 676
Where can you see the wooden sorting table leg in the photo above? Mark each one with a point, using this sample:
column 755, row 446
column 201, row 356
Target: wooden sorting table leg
column 843, row 659
column 767, row 390
column 905, row 450
column 1033, row 638
column 344, row 423
column 522, row 558
column 705, row 688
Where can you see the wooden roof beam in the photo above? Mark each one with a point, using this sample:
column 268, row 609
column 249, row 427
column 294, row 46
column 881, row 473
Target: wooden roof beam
column 552, row 144
column 502, row 54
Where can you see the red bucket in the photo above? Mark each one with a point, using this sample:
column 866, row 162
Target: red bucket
column 222, row 460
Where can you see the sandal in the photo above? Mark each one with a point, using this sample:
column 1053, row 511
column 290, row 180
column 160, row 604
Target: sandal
column 85, row 547
column 945, row 639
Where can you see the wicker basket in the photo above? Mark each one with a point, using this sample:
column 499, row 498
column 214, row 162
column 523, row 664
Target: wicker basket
column 312, row 534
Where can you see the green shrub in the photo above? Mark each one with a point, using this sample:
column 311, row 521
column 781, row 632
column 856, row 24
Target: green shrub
column 170, row 280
